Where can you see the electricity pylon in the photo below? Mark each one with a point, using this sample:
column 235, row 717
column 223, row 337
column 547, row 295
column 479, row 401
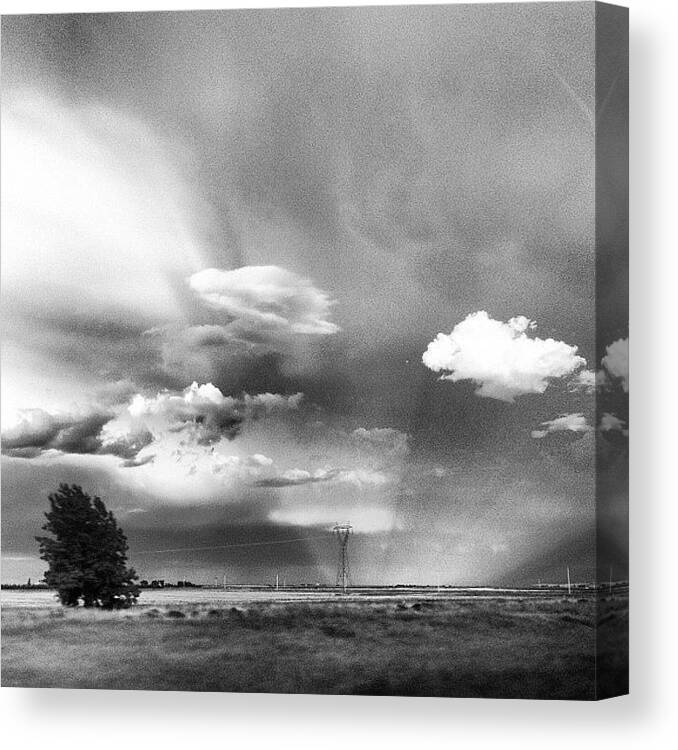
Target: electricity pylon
column 342, row 531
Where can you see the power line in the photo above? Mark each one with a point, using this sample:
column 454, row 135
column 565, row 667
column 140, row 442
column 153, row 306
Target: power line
column 229, row 546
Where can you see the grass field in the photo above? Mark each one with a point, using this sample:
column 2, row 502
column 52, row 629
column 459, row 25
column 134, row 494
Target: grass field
column 485, row 647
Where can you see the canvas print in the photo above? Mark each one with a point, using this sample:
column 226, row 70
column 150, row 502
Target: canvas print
column 315, row 351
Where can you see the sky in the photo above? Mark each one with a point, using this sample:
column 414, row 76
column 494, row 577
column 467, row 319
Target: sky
column 264, row 272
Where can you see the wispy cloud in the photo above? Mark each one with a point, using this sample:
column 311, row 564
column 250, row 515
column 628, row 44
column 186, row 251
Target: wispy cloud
column 296, row 477
column 101, row 192
column 572, row 423
column 364, row 519
column 260, row 300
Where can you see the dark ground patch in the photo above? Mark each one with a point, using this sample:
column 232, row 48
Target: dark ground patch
column 488, row 648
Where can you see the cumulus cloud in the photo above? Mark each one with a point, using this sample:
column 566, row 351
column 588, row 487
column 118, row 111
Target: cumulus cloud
column 199, row 446
column 616, row 361
column 203, row 409
column 281, row 458
column 263, row 298
column 611, row 422
column 501, row 358
column 126, row 445
column 297, row 456
column 574, row 423
column 586, row 381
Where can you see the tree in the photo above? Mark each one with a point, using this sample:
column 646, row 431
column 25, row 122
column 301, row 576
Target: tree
column 87, row 555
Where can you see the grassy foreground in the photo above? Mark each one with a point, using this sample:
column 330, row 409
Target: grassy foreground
column 482, row 648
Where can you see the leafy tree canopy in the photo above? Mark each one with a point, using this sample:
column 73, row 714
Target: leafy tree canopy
column 87, row 554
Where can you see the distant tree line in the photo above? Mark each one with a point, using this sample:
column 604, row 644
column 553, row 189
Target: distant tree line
column 162, row 584
column 25, row 586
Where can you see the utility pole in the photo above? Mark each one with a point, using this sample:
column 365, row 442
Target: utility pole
column 569, row 585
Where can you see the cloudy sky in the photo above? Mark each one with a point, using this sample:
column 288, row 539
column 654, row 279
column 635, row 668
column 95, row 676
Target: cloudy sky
column 267, row 271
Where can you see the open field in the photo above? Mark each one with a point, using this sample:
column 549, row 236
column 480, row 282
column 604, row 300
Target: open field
column 478, row 643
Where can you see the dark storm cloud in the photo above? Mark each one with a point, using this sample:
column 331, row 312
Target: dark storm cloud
column 124, row 433
column 243, row 550
column 418, row 141
column 38, row 431
column 26, row 488
column 414, row 164
column 369, row 150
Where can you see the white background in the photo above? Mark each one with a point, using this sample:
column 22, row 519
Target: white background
column 647, row 718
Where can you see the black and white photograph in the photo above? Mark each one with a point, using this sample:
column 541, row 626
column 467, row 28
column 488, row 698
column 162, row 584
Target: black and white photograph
column 315, row 350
